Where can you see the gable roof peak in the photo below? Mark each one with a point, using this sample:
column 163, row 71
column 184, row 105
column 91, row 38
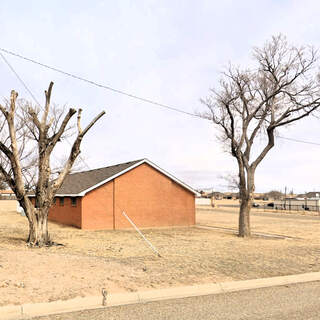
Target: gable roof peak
column 79, row 183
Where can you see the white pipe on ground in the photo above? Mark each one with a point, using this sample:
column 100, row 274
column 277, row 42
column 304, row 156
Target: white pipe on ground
column 141, row 234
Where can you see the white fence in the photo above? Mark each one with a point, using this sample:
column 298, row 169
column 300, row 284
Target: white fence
column 203, row 202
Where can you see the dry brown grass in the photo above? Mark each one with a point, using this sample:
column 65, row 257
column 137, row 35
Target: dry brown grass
column 289, row 226
column 121, row 261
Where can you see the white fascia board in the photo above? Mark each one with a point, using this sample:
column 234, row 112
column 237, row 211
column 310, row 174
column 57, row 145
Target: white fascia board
column 84, row 192
column 63, row 195
column 111, row 178
column 68, row 195
column 132, row 167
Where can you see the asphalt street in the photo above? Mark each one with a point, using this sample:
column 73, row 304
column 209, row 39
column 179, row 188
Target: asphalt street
column 299, row 301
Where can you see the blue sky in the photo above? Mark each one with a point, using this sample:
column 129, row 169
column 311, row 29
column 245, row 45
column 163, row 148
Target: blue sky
column 168, row 51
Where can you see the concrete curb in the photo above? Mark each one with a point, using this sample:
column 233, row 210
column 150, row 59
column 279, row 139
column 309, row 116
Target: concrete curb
column 27, row 311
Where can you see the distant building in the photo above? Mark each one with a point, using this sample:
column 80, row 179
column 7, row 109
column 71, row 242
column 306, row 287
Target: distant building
column 308, row 195
column 7, row 194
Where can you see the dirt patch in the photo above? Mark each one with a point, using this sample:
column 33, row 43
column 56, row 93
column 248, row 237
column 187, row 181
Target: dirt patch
column 121, row 261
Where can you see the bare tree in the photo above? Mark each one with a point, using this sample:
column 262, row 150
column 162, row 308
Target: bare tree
column 232, row 181
column 45, row 128
column 252, row 104
column 3, row 184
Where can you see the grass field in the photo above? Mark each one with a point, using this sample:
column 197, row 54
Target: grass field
column 121, row 261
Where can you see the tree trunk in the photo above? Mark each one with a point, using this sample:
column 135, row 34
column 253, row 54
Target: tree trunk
column 38, row 228
column 244, row 217
column 246, row 189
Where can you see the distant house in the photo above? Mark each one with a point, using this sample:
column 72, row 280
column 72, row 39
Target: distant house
column 149, row 195
column 309, row 195
column 259, row 196
column 7, row 194
column 230, row 195
column 216, row 195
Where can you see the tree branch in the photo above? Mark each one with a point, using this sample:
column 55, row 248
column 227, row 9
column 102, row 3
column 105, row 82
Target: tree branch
column 75, row 151
column 47, row 107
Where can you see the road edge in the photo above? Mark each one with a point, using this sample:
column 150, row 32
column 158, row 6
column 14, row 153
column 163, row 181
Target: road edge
column 30, row 310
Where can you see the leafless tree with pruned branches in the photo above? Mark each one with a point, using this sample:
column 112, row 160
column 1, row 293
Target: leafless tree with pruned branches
column 252, row 104
column 28, row 137
column 231, row 180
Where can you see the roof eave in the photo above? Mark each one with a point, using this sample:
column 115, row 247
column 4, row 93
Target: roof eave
column 63, row 195
column 84, row 192
column 134, row 166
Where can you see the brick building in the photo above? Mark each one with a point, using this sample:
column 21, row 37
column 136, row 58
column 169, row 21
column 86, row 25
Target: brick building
column 150, row 196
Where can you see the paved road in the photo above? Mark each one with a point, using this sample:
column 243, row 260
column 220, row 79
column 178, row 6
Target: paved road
column 280, row 215
column 299, row 301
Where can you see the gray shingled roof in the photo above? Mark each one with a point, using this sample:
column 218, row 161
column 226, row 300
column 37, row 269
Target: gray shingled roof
column 78, row 182
column 313, row 194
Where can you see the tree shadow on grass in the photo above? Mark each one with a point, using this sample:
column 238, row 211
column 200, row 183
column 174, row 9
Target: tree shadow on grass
column 15, row 240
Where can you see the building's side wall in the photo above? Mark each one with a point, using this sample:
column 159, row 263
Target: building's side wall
column 97, row 208
column 66, row 213
column 148, row 197
column 151, row 199
column 182, row 206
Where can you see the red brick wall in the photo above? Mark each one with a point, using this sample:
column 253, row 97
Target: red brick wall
column 183, row 211
column 66, row 214
column 97, row 208
column 151, row 199
column 148, row 197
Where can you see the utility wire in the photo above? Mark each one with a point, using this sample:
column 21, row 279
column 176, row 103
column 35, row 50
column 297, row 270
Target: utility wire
column 33, row 97
column 130, row 95
column 19, row 78
column 300, row 141
column 109, row 88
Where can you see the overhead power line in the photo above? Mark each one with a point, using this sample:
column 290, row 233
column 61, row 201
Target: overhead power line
column 19, row 78
column 300, row 141
column 33, row 97
column 168, row 107
column 130, row 95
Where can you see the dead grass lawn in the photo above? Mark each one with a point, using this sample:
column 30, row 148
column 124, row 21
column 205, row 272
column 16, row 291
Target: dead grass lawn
column 290, row 226
column 121, row 261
